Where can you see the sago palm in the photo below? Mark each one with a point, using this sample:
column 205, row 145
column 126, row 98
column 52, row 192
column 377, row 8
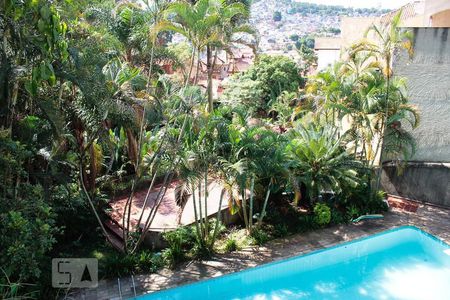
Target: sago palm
column 319, row 161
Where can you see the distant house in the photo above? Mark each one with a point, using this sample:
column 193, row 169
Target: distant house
column 328, row 51
column 238, row 60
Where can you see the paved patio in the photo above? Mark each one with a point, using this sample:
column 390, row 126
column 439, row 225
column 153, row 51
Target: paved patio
column 430, row 219
column 166, row 216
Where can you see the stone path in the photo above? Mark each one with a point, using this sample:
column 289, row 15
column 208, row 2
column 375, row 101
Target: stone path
column 430, row 219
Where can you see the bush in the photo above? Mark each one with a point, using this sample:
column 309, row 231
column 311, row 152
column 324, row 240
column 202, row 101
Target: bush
column 306, row 223
column 281, row 230
column 362, row 200
column 117, row 264
column 113, row 264
column 149, row 262
column 353, row 212
column 231, row 244
column 337, row 217
column 260, row 236
column 27, row 221
column 322, row 214
column 179, row 241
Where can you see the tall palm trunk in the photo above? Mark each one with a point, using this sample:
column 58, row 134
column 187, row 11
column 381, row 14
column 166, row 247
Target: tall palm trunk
column 209, row 68
column 250, row 217
column 198, row 67
column 191, row 66
column 385, row 121
column 263, row 210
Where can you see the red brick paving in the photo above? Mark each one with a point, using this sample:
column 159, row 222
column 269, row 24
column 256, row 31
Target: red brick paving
column 167, row 214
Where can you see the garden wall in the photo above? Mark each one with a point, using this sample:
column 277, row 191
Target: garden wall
column 427, row 177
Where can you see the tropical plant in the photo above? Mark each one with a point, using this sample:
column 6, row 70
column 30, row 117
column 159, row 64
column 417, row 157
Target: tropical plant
column 320, row 162
column 322, row 214
column 207, row 24
column 259, row 86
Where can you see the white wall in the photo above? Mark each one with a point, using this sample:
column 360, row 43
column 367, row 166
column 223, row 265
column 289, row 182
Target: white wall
column 326, row 58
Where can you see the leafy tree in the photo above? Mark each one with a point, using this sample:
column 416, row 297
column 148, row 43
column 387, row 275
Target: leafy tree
column 263, row 82
column 277, row 16
column 27, row 222
column 207, row 25
column 294, row 37
column 308, row 58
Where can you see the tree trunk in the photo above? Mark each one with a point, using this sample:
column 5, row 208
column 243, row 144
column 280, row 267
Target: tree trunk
column 191, row 66
column 198, row 67
column 209, row 68
column 263, row 210
column 252, row 192
column 132, row 147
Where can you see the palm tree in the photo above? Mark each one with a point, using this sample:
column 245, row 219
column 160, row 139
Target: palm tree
column 390, row 37
column 206, row 24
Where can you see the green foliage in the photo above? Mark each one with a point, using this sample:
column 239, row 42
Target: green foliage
column 113, row 264
column 231, row 244
column 319, row 161
column 322, row 214
column 277, row 16
column 353, row 212
column 305, row 42
column 263, row 82
column 337, row 217
column 307, row 222
column 27, row 222
column 260, row 236
column 179, row 242
column 281, row 230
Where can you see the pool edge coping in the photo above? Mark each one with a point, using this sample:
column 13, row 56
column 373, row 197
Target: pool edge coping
column 306, row 254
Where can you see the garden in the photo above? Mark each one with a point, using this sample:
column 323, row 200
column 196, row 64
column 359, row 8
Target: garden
column 89, row 111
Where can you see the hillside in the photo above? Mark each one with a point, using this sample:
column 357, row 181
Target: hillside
column 282, row 24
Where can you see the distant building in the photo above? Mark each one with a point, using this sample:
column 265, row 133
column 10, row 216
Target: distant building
column 238, row 60
column 328, row 51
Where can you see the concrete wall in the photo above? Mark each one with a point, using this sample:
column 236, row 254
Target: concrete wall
column 433, row 7
column 428, row 82
column 353, row 29
column 441, row 19
column 427, row 176
column 428, row 182
column 326, row 58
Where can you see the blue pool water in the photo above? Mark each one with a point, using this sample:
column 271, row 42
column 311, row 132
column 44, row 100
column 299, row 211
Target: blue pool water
column 403, row 263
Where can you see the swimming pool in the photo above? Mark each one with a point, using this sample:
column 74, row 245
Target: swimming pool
column 402, row 263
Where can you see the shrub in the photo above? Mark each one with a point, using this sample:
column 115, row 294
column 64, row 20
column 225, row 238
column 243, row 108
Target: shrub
column 147, row 261
column 27, row 222
column 376, row 203
column 231, row 244
column 260, row 236
column 322, row 214
column 113, row 264
column 306, row 223
column 118, row 264
column 337, row 217
column 281, row 230
column 353, row 212
column 178, row 242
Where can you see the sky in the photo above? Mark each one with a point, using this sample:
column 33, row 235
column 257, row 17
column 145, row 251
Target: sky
column 362, row 3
